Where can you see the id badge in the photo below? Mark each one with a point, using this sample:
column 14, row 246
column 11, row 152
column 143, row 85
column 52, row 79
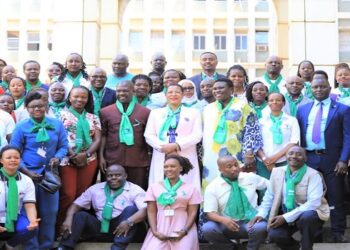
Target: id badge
column 41, row 152
column 169, row 212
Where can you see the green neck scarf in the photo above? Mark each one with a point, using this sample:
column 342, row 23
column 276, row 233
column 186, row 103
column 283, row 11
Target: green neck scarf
column 42, row 135
column 4, row 85
column 237, row 205
column 308, row 91
column 170, row 122
column 291, row 182
column 220, row 133
column 169, row 197
column 20, row 101
column 57, row 107
column 189, row 105
column 344, row 92
column 293, row 103
column 144, row 101
column 12, row 201
column 273, row 85
column 98, row 95
column 76, row 80
column 165, row 89
column 126, row 131
column 82, row 140
column 277, row 135
column 258, row 109
column 29, row 86
column 107, row 211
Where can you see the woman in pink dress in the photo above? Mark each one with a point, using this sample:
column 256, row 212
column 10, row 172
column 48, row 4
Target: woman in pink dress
column 172, row 209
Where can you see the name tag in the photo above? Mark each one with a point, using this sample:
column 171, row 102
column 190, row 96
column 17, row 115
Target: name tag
column 41, row 152
column 169, row 212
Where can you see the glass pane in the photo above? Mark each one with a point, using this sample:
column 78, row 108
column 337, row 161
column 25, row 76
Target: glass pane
column 202, row 46
column 238, row 42
column 261, row 37
column 244, row 42
column 223, row 42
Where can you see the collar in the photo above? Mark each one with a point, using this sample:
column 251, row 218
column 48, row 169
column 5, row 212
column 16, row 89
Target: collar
column 325, row 102
column 204, row 76
column 4, row 178
column 126, row 186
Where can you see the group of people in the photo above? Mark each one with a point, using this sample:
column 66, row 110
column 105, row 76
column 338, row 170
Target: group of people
column 212, row 156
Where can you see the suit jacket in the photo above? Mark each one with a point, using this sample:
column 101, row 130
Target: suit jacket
column 197, row 79
column 337, row 132
column 108, row 98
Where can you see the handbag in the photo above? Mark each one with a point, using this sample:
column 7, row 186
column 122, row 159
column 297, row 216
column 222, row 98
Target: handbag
column 51, row 181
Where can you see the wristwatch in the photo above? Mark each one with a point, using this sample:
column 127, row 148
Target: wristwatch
column 130, row 222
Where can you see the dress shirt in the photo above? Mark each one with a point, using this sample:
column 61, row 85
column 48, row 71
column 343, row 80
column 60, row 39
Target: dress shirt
column 310, row 145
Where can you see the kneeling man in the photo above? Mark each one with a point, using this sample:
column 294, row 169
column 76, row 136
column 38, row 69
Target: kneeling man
column 230, row 202
column 118, row 205
column 295, row 201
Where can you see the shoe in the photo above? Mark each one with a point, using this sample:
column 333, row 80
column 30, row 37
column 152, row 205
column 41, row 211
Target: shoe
column 340, row 238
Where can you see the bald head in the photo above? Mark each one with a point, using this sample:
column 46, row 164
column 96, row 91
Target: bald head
column 294, row 86
column 116, row 167
column 115, row 176
column 158, row 62
column 273, row 65
column 120, row 63
column 228, row 166
column 296, row 157
column 98, row 78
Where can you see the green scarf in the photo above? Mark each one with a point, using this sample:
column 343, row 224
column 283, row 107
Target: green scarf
column 4, row 85
column 258, row 109
column 42, row 135
column 290, row 185
column 12, row 201
column 170, row 122
column 29, row 86
column 237, row 205
column 82, row 139
column 293, row 103
column 277, row 135
column 19, row 102
column 76, row 80
column 145, row 101
column 97, row 100
column 126, row 131
column 273, row 85
column 57, row 107
column 107, row 211
column 189, row 105
column 220, row 133
column 308, row 91
column 344, row 92
column 169, row 197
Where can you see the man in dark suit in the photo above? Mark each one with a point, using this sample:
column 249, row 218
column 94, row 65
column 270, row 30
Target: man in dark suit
column 102, row 96
column 208, row 61
column 325, row 134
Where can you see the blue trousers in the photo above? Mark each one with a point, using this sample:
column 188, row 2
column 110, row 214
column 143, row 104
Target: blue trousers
column 308, row 224
column 217, row 233
column 87, row 226
column 47, row 205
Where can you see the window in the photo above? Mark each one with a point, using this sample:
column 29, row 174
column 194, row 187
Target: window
column 49, row 40
column 262, row 37
column 344, row 46
column 12, row 40
column 199, row 42
column 157, row 40
column 135, row 41
column 241, row 42
column 178, row 44
column 220, row 42
column 33, row 41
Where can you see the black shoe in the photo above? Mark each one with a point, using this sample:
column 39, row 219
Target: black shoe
column 340, row 238
column 62, row 248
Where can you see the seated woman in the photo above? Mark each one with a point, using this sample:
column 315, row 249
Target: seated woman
column 172, row 209
column 17, row 191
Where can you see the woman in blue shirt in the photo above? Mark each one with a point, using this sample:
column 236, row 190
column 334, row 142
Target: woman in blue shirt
column 43, row 141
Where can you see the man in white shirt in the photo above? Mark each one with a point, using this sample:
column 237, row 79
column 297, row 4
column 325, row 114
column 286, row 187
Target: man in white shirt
column 230, row 201
column 293, row 201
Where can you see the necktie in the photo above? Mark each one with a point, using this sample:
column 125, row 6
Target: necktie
column 316, row 131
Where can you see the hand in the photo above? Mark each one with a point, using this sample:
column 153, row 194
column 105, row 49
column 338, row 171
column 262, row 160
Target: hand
column 270, row 167
column 168, row 148
column 2, row 229
column 102, row 164
column 122, row 229
column 160, row 236
column 79, row 160
column 277, row 221
column 33, row 224
column 231, row 224
column 180, row 235
column 256, row 219
column 34, row 176
column 341, row 168
column 54, row 162
column 66, row 226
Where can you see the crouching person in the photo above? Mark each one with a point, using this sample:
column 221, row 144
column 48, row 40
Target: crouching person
column 295, row 201
column 230, row 202
column 118, row 206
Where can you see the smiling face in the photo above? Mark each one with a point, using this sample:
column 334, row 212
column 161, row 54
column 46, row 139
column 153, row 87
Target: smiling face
column 188, row 89
column 208, row 62
column 10, row 160
column 172, row 169
column 294, row 85
column 78, row 98
column 32, row 71
column 296, row 157
column 343, row 77
column 320, row 88
column 54, row 70
column 8, row 73
column 74, row 63
column 171, row 77
column 57, row 92
column 37, row 109
column 157, row 83
column 125, row 92
column 174, row 95
column 115, row 176
column 306, row 70
column 222, row 92
column 142, row 88
column 17, row 88
column 6, row 103
column 259, row 92
column 98, row 78
column 237, row 77
column 275, row 102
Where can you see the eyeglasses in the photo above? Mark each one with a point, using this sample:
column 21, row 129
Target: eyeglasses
column 188, row 88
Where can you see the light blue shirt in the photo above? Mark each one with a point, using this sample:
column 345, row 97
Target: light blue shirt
column 310, row 145
column 314, row 192
column 113, row 81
